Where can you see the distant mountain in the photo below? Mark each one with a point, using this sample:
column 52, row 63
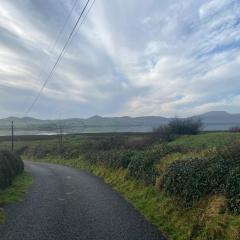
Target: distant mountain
column 215, row 120
column 219, row 120
column 220, row 116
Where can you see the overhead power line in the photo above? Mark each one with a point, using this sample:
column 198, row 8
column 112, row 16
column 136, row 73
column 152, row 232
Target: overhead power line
column 58, row 59
column 52, row 48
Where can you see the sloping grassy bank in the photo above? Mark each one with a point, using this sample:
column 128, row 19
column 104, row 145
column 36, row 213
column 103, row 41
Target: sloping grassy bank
column 205, row 220
column 15, row 192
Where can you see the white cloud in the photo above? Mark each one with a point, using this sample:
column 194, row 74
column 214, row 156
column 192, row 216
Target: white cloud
column 137, row 58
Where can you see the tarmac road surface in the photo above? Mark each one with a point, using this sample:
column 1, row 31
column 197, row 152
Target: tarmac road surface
column 69, row 204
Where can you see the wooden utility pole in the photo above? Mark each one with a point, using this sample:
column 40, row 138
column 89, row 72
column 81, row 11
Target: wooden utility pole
column 61, row 131
column 12, row 137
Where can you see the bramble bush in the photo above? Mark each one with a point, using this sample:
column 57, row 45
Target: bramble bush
column 10, row 166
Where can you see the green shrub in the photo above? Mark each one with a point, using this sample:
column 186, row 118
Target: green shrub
column 192, row 179
column 139, row 143
column 233, row 191
column 10, row 166
column 119, row 159
column 142, row 167
column 178, row 126
column 113, row 159
column 164, row 133
column 40, row 152
column 160, row 150
column 104, row 144
column 140, row 164
column 186, row 180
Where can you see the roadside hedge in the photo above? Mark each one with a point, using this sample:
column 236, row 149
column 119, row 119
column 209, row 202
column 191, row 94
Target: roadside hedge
column 10, row 166
column 114, row 158
column 233, row 191
column 142, row 167
column 191, row 179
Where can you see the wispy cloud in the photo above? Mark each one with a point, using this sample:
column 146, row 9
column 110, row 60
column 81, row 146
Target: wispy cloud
column 129, row 58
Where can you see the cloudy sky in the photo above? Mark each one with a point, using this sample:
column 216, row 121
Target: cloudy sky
column 130, row 57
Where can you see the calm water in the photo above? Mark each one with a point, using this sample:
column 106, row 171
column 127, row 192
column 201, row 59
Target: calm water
column 100, row 129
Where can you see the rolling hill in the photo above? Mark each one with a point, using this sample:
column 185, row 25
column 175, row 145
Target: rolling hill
column 215, row 120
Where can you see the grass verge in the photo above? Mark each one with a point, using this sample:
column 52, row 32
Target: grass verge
column 15, row 192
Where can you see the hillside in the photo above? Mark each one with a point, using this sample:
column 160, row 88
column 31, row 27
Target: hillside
column 215, row 120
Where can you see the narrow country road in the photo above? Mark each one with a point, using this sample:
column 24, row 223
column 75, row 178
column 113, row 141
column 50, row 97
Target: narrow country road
column 68, row 204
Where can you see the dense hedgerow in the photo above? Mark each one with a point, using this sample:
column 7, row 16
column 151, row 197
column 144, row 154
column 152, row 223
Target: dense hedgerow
column 142, row 167
column 104, row 144
column 233, row 191
column 10, row 166
column 161, row 150
column 192, row 179
column 114, row 158
column 140, row 164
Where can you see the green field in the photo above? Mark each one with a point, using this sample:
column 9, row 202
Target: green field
column 189, row 187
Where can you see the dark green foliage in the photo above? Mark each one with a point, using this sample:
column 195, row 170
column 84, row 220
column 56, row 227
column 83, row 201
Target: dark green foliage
column 22, row 150
column 160, row 150
column 192, row 179
column 164, row 133
column 104, row 144
column 39, row 152
column 10, row 166
column 139, row 144
column 142, row 167
column 177, row 126
column 185, row 126
column 119, row 159
column 140, row 164
column 113, row 159
column 233, row 191
column 69, row 152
